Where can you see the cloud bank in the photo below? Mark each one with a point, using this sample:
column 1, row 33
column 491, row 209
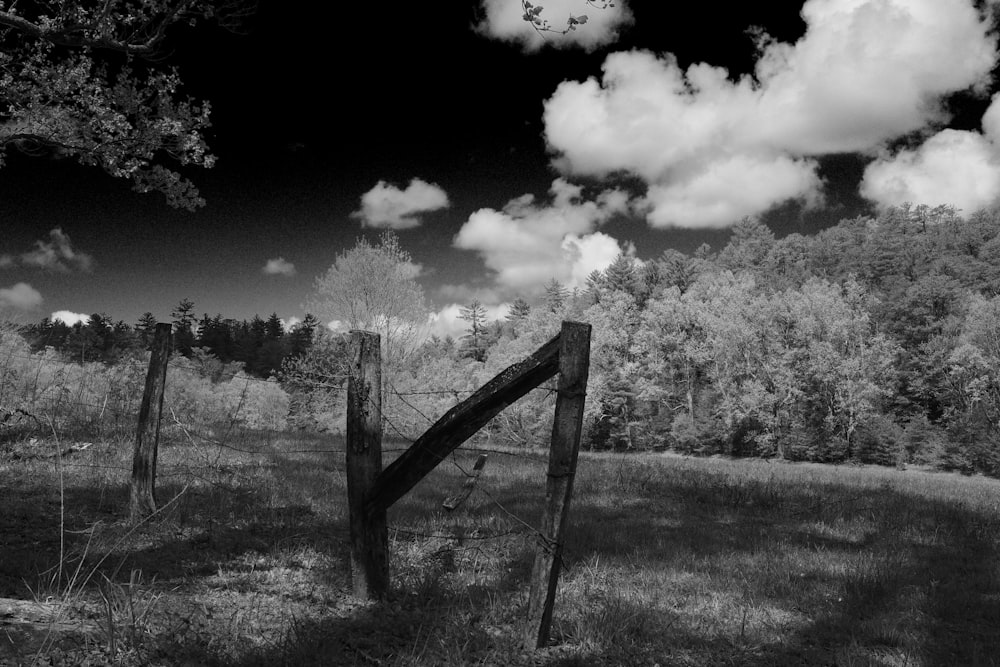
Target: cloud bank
column 712, row 149
column 528, row 244
column 387, row 206
column 279, row 267
column 21, row 296
column 505, row 21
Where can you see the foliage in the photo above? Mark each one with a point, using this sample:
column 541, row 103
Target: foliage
column 87, row 81
column 373, row 287
column 874, row 341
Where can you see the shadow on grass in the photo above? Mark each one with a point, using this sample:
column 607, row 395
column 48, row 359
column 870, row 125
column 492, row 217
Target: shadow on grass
column 862, row 572
column 830, row 575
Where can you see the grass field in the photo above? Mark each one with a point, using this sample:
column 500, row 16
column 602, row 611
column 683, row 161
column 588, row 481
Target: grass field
column 669, row 561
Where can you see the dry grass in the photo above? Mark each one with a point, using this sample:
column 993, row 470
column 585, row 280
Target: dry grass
column 670, row 561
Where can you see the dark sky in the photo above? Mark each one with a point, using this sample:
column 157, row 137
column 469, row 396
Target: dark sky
column 316, row 103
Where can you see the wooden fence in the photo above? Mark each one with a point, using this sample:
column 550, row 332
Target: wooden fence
column 372, row 490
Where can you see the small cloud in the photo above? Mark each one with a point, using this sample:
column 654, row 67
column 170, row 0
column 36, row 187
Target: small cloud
column 385, row 205
column 594, row 28
column 528, row 243
column 57, row 254
column 21, row 296
column 6, row 261
column 336, row 326
column 290, row 322
column 279, row 267
column 69, row 317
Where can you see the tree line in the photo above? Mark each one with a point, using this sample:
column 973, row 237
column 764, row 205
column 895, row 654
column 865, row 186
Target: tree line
column 876, row 340
column 257, row 346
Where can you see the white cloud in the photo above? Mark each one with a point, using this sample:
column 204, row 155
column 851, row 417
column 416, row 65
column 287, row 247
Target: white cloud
column 57, row 254
column 527, row 244
column 991, row 120
column 385, row 205
column 952, row 167
column 336, row 326
column 709, row 147
column 279, row 267
column 69, row 317
column 21, row 296
column 728, row 189
column 448, row 322
column 505, row 21
column 287, row 324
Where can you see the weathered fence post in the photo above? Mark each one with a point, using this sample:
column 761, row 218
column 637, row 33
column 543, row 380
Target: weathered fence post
column 369, row 532
column 142, row 495
column 574, row 367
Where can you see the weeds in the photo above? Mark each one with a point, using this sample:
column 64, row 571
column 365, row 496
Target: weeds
column 669, row 560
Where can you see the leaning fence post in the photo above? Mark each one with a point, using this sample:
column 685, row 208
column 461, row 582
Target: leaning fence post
column 142, row 495
column 369, row 533
column 574, row 366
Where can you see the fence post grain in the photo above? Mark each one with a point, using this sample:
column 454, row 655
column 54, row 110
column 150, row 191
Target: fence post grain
column 142, row 495
column 369, row 532
column 574, row 366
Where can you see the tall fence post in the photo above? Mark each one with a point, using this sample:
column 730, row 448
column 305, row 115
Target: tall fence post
column 142, row 495
column 369, row 532
column 574, row 367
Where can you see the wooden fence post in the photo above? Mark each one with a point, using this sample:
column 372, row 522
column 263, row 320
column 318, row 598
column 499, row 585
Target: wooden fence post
column 142, row 495
column 369, row 532
column 574, row 367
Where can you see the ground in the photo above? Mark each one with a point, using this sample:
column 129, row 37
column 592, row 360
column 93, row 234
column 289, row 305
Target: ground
column 669, row 561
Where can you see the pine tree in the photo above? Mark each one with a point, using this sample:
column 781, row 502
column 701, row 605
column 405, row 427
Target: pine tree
column 273, row 328
column 475, row 315
column 519, row 309
column 184, row 320
column 555, row 296
column 144, row 329
column 302, row 335
column 620, row 274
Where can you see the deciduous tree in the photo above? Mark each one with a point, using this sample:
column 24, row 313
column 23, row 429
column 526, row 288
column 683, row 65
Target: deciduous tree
column 88, row 80
column 374, row 287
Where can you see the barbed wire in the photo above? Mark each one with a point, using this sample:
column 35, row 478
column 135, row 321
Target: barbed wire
column 122, row 407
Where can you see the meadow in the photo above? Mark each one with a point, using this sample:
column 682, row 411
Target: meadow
column 669, row 560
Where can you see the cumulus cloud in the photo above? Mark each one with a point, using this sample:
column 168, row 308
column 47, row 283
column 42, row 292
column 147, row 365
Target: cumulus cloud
column 69, row 317
column 57, row 254
column 952, row 167
column 448, row 322
column 385, row 205
column 505, row 21
column 279, row 267
column 712, row 149
column 730, row 188
column 527, row 244
column 21, row 296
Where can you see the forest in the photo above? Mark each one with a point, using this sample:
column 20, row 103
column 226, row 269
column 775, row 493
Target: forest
column 874, row 341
